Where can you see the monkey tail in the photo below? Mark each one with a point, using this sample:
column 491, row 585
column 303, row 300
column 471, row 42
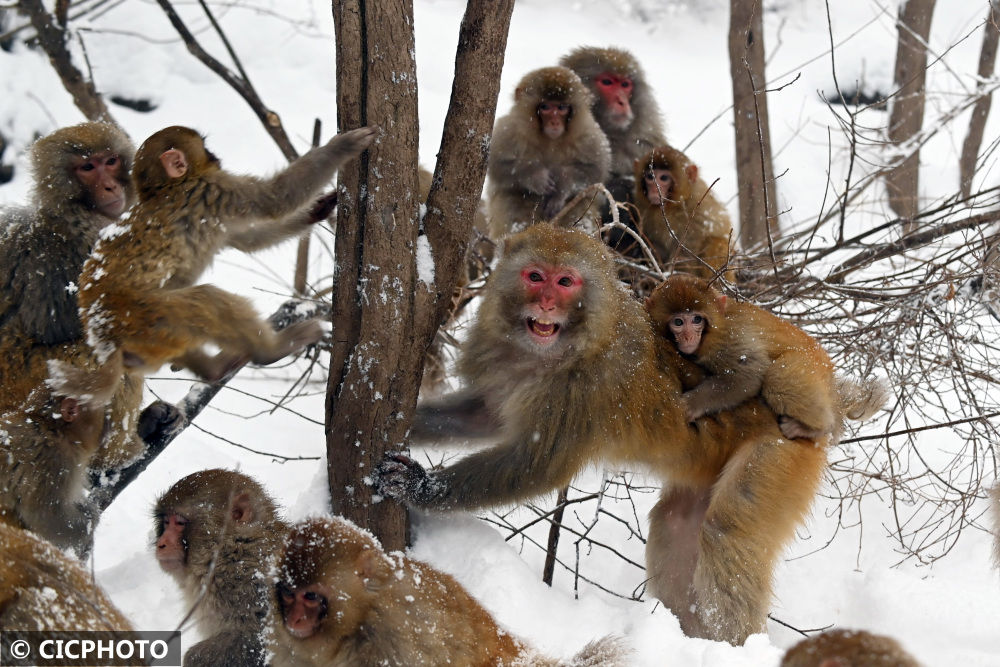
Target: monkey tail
column 609, row 651
column 860, row 399
column 88, row 385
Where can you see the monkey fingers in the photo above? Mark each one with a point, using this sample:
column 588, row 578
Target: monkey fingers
column 402, row 478
column 157, row 418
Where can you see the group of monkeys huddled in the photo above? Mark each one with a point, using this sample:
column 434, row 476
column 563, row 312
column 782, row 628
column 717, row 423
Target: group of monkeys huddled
column 732, row 407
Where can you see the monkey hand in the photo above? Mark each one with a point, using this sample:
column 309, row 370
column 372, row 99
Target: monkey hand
column 402, row 478
column 792, row 428
column 157, row 419
column 323, row 207
column 540, row 182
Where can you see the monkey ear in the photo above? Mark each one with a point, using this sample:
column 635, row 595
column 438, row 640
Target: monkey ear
column 370, row 566
column 518, row 94
column 241, row 509
column 692, row 172
column 69, row 409
column 722, row 303
column 174, row 162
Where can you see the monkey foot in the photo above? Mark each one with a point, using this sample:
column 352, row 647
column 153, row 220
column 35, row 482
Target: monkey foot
column 402, row 478
column 157, row 419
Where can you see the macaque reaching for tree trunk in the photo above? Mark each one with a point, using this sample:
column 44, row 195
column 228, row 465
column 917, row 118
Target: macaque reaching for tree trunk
column 544, row 151
column 137, row 291
column 45, row 448
column 343, row 601
column 625, row 108
column 689, row 229
column 562, row 368
column 848, row 648
column 216, row 533
column 43, row 589
column 746, row 351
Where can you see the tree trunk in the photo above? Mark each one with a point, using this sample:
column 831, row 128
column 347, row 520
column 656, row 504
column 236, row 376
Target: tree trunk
column 754, row 170
column 906, row 115
column 384, row 315
column 977, row 124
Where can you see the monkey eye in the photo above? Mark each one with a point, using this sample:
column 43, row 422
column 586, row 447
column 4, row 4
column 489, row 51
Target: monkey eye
column 665, row 178
column 535, row 277
column 678, row 322
column 87, row 166
column 626, row 83
column 285, row 593
column 563, row 107
column 697, row 319
column 544, row 106
column 566, row 281
column 606, row 82
column 113, row 160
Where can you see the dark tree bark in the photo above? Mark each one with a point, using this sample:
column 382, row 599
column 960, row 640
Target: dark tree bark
column 52, row 38
column 906, row 116
column 754, row 170
column 977, row 124
column 384, row 316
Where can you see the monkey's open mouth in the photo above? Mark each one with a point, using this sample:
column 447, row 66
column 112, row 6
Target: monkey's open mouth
column 543, row 329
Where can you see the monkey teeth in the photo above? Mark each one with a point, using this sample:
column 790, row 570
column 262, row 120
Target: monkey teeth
column 542, row 329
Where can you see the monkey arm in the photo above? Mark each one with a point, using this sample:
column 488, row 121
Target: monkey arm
column 504, row 474
column 461, row 415
column 735, row 378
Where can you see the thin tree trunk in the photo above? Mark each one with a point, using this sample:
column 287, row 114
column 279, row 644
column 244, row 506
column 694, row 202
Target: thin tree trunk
column 384, row 316
column 552, row 547
column 977, row 124
column 906, row 116
column 755, row 172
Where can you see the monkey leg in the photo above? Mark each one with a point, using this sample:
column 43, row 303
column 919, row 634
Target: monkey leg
column 175, row 323
column 230, row 647
column 672, row 552
column 801, row 386
column 121, row 443
column 761, row 496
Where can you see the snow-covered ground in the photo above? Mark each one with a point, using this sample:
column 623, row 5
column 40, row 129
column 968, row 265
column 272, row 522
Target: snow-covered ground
column 945, row 614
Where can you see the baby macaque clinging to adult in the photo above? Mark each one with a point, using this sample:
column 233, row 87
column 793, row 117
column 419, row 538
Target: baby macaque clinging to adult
column 544, row 151
column 343, row 601
column 679, row 215
column 216, row 531
column 746, row 351
column 45, row 448
column 137, row 291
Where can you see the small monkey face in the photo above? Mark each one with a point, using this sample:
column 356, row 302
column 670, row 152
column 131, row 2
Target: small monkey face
column 687, row 329
column 616, row 93
column 551, row 292
column 302, row 609
column 171, row 547
column 555, row 117
column 101, row 175
column 659, row 186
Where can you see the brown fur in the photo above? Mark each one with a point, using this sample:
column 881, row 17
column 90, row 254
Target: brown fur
column 748, row 351
column 646, row 130
column 43, row 246
column 45, row 452
column 700, row 224
column 391, row 610
column 233, row 531
column 138, row 296
column 42, row 589
column 608, row 390
column 848, row 648
column 532, row 177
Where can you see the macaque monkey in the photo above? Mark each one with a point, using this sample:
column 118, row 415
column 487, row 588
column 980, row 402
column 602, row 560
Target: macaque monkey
column 341, row 600
column 45, row 448
column 82, row 184
column 544, row 151
column 848, row 648
column 685, row 223
column 216, row 533
column 625, row 107
column 137, row 291
column 746, row 351
column 562, row 368
column 43, row 589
